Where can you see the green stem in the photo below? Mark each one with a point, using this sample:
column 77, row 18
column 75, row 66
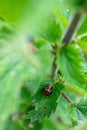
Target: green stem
column 67, row 39
column 71, row 31
column 66, row 97
column 54, row 65
column 81, row 36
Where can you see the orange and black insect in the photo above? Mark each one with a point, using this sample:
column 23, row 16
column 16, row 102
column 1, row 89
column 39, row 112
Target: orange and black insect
column 48, row 90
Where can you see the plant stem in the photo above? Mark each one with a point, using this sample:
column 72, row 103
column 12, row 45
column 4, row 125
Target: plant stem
column 66, row 97
column 74, row 24
column 67, row 39
column 54, row 66
column 81, row 36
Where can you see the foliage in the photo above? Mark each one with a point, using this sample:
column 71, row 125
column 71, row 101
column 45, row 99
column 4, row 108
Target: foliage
column 71, row 67
column 32, row 49
column 44, row 105
column 51, row 30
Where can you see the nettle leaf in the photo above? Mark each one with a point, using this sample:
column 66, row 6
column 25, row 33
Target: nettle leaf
column 63, row 20
column 82, row 107
column 70, row 63
column 78, row 112
column 82, row 44
column 83, row 27
column 16, row 66
column 81, row 126
column 10, row 86
column 44, row 105
column 51, row 29
column 75, row 114
column 61, row 111
column 81, row 40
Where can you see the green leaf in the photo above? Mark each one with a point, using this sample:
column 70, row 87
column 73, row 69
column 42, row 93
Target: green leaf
column 44, row 105
column 81, row 40
column 82, row 44
column 16, row 66
column 75, row 115
column 82, row 107
column 78, row 112
column 81, row 126
column 63, row 20
column 83, row 27
column 51, row 29
column 10, row 87
column 61, row 111
column 70, row 62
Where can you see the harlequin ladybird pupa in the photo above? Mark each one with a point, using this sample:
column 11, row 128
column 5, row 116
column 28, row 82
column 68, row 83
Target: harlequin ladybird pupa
column 48, row 90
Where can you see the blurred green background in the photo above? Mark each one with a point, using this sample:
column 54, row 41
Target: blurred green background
column 23, row 64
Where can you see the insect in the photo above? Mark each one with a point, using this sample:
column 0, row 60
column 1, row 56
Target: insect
column 48, row 90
